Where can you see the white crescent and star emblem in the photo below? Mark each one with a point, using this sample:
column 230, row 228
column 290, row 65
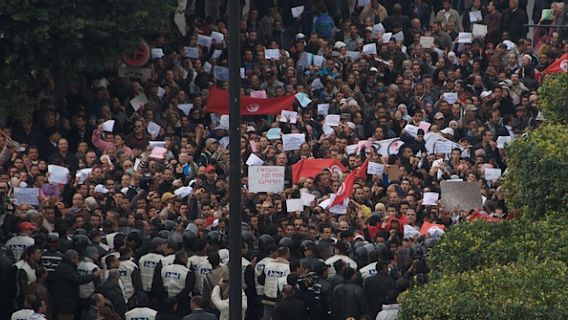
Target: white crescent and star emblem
column 252, row 108
column 564, row 65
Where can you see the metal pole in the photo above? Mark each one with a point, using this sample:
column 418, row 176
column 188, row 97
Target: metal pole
column 235, row 215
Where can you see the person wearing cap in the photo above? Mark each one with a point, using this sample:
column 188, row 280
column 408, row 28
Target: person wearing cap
column 87, row 266
column 18, row 244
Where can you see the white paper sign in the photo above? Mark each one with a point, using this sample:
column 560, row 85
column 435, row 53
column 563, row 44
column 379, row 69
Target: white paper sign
column 265, row 179
column 185, row 108
column 475, row 16
column 297, row 11
column 183, row 192
column 323, row 109
column 424, row 126
column 451, row 97
column 363, row 3
column 83, row 174
column 465, row 37
column 273, row 133
column 161, row 92
column 293, row 141
column 318, row 60
column 375, row 168
column 332, row 120
column 27, row 196
column 492, row 174
column 293, row 205
column 157, row 53
column 378, row 28
column 204, row 41
column 216, row 54
column 307, row 198
column 306, row 60
column 259, row 94
column 288, row 116
column 479, row 30
column 108, row 125
column 411, row 130
column 254, row 160
column 502, row 141
column 399, row 36
column 207, row 67
column 154, row 129
column 57, row 174
column 224, row 121
column 138, row 101
column 426, row 42
column 221, row 73
column 386, row 37
column 191, row 52
column 303, row 99
column 272, row 54
column 430, row 198
column 370, row 49
column 353, row 55
column 217, row 36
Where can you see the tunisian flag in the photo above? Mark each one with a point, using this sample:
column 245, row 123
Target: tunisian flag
column 345, row 190
column 309, row 168
column 558, row 66
column 218, row 102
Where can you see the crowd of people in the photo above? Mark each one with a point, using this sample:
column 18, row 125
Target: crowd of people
column 137, row 226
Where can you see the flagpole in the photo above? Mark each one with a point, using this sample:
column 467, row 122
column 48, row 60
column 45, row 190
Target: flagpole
column 235, row 215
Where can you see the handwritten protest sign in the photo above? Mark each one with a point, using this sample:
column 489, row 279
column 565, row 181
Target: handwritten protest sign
column 265, row 179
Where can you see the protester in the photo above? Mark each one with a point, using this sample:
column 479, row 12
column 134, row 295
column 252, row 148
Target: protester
column 361, row 114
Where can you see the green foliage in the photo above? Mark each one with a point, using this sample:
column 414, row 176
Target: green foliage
column 480, row 245
column 536, row 174
column 553, row 98
column 523, row 290
column 69, row 36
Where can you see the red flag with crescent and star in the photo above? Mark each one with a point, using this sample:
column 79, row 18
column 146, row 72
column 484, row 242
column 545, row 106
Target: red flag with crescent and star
column 558, row 66
column 218, row 102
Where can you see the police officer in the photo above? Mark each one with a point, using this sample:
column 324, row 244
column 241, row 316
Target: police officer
column 271, row 254
column 18, row 244
column 86, row 267
column 149, row 261
column 129, row 274
column 178, row 281
column 199, row 264
column 275, row 274
column 51, row 257
column 342, row 251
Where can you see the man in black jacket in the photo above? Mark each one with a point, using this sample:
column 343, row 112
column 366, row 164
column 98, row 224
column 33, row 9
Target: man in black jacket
column 289, row 307
column 514, row 20
column 377, row 286
column 65, row 288
column 8, row 291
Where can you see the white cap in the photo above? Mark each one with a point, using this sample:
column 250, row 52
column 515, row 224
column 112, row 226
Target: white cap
column 448, row 130
column 339, row 45
column 485, row 94
column 99, row 188
column 351, row 125
column 373, row 69
column 300, row 36
column 251, row 129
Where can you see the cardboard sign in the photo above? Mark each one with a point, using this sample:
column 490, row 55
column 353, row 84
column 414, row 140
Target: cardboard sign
column 426, row 42
column 461, row 194
column 307, row 198
column 272, row 54
column 492, row 174
column 332, row 120
column 138, row 102
column 254, row 160
column 265, row 179
column 297, row 11
column 323, row 109
column 108, row 125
